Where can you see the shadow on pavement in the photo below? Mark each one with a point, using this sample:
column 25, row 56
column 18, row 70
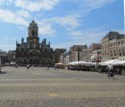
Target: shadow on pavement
column 2, row 72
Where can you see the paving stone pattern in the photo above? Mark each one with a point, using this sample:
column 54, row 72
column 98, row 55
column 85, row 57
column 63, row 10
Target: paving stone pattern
column 38, row 87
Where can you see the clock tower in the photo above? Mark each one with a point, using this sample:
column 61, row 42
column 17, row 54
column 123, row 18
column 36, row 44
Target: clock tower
column 33, row 51
column 33, row 39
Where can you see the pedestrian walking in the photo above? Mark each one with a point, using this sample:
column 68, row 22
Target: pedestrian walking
column 16, row 65
column 28, row 66
column 110, row 71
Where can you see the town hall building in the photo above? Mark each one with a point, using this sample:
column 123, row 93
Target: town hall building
column 32, row 51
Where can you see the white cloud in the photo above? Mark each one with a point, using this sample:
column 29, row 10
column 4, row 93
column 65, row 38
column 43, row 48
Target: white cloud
column 85, row 37
column 89, row 36
column 30, row 5
column 73, row 20
column 11, row 17
column 23, row 13
column 82, row 38
column 2, row 1
column 90, row 4
column 87, row 6
column 69, row 21
column 36, row 5
column 46, row 29
column 7, row 2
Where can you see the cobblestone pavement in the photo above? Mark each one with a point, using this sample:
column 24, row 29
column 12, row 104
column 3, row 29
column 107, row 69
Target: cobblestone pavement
column 38, row 87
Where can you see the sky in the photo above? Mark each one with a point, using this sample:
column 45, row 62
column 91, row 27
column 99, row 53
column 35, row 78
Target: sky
column 62, row 22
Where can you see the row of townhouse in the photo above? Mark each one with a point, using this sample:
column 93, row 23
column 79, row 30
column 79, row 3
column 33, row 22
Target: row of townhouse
column 7, row 56
column 112, row 46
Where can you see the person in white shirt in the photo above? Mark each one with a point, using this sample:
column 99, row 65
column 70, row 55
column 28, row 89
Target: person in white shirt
column 110, row 71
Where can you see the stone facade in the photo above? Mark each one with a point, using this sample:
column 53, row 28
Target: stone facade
column 32, row 51
column 75, row 52
column 88, row 53
column 3, row 57
column 96, row 55
column 113, row 46
column 59, row 55
column 66, row 58
column 11, row 55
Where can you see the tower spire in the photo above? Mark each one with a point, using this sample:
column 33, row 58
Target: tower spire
column 33, row 29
